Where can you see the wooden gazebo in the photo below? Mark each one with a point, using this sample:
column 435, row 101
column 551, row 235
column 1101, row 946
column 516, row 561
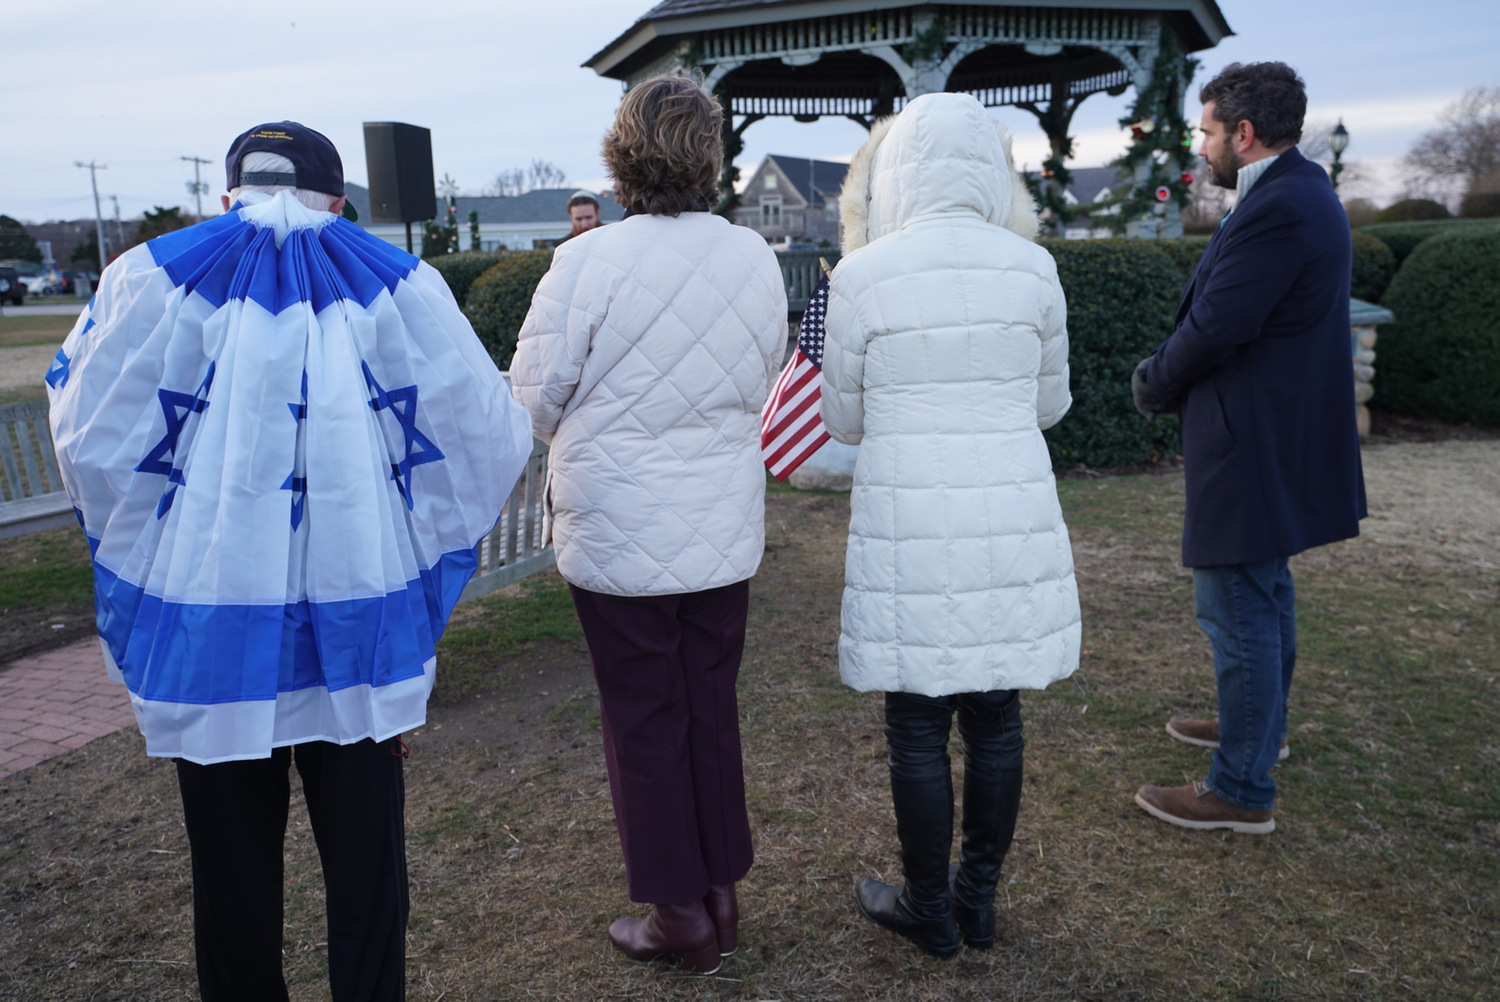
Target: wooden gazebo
column 865, row 58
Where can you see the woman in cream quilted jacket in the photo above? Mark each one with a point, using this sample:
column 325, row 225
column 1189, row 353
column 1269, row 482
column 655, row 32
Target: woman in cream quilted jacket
column 648, row 352
column 946, row 357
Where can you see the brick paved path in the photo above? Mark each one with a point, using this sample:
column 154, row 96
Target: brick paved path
column 55, row 702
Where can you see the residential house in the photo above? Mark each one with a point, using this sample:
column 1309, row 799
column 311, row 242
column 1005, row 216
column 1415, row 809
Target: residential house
column 793, row 200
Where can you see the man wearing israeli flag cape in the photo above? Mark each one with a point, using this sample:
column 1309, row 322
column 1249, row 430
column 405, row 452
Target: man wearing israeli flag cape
column 284, row 441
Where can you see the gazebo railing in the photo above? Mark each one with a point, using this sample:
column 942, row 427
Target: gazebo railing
column 513, row 550
column 800, row 272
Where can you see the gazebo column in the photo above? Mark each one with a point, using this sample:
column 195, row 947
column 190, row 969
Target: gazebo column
column 1055, row 120
column 930, row 63
column 1141, row 62
column 734, row 145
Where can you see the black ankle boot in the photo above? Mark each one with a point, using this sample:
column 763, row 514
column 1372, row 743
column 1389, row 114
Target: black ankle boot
column 887, row 906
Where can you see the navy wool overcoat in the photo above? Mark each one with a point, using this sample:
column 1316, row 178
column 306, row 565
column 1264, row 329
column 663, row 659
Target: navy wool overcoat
column 1259, row 369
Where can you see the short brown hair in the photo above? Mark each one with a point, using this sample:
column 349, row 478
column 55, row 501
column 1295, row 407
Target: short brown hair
column 666, row 147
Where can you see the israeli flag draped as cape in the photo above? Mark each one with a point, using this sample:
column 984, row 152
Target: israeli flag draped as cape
column 284, row 441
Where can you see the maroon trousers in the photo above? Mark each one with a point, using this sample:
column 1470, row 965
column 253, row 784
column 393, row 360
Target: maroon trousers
column 666, row 667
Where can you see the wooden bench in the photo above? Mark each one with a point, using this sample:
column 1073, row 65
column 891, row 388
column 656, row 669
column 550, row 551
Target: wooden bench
column 31, row 492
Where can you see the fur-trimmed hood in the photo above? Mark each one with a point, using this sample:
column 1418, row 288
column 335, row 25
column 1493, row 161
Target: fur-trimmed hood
column 943, row 154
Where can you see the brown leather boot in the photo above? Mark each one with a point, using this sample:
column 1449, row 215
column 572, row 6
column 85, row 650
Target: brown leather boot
column 681, row 929
column 724, row 910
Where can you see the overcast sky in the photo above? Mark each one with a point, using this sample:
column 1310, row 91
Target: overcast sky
column 137, row 86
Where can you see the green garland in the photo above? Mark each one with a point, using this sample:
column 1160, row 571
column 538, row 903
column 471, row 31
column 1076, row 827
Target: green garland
column 1162, row 138
column 1050, row 187
column 474, row 230
column 729, row 176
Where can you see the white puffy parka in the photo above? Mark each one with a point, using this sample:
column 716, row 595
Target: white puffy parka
column 946, row 356
column 648, row 352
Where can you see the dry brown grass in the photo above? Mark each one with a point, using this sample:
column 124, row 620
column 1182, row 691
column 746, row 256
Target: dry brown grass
column 1380, row 883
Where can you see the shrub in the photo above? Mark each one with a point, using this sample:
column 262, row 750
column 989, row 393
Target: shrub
column 1480, row 205
column 499, row 298
column 1121, row 298
column 1409, row 210
column 460, row 270
column 1185, row 253
column 1374, row 264
column 1441, row 358
column 1403, row 238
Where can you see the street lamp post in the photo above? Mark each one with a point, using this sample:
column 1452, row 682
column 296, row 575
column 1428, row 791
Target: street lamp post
column 1338, row 142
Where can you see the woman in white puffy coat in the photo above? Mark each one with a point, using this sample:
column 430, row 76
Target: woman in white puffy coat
column 650, row 347
column 946, row 357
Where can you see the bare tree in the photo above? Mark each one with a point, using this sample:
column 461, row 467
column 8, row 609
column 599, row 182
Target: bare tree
column 544, row 174
column 520, row 180
column 1464, row 148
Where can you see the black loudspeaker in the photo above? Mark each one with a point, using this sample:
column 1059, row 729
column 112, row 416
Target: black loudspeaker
column 398, row 158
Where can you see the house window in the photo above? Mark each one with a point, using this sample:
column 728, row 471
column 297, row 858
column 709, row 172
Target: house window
column 770, row 212
column 770, row 181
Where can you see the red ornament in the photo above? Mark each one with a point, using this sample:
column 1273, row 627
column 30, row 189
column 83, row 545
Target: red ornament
column 1187, row 178
column 1163, row 193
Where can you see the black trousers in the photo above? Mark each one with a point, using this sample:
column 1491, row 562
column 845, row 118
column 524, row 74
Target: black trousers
column 236, row 815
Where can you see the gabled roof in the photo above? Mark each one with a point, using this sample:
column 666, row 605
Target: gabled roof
column 544, row 205
column 1089, row 182
column 813, row 179
column 661, row 27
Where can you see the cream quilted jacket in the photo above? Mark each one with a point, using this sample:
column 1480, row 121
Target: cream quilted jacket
column 946, row 356
column 648, row 352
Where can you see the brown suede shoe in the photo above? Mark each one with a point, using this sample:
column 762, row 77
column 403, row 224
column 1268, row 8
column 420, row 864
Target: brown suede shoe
column 1205, row 734
column 1198, row 807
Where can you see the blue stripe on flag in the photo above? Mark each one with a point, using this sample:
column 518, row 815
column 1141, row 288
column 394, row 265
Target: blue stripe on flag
column 229, row 258
column 180, row 653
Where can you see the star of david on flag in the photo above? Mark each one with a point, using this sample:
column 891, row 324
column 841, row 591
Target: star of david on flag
column 791, row 426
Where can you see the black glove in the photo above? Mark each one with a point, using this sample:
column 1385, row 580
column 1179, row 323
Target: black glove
column 1145, row 401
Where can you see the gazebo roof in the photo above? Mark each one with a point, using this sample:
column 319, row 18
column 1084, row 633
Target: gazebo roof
column 1199, row 23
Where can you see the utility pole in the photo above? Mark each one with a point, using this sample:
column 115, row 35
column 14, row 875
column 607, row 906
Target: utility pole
column 93, row 170
column 119, row 227
column 197, row 188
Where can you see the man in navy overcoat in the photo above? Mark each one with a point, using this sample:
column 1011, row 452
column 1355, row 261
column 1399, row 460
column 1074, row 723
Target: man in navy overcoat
column 1258, row 368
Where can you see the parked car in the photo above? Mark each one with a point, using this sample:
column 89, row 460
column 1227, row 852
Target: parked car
column 11, row 286
column 68, row 281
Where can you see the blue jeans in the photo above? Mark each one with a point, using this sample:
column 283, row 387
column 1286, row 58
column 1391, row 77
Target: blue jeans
column 1249, row 613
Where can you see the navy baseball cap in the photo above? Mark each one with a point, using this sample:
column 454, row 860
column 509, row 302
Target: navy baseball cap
column 315, row 162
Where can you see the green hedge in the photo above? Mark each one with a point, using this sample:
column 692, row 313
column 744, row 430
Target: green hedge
column 1185, row 253
column 1403, row 238
column 460, row 270
column 1374, row 266
column 499, row 298
column 1412, row 209
column 1441, row 358
column 1122, row 295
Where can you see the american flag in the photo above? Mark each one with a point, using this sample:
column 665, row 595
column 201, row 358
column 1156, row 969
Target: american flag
column 791, row 427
